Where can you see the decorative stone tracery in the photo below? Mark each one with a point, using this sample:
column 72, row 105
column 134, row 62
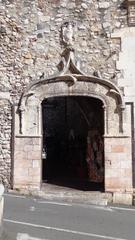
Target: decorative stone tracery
column 70, row 80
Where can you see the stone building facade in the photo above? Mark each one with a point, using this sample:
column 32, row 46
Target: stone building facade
column 67, row 48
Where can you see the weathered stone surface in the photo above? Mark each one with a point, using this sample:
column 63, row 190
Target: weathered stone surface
column 5, row 138
column 27, row 162
column 30, row 47
column 122, row 198
column 1, row 207
column 104, row 5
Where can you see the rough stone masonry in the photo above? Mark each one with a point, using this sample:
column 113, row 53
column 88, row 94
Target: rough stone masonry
column 31, row 48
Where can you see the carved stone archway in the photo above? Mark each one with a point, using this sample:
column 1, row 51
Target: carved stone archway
column 70, row 81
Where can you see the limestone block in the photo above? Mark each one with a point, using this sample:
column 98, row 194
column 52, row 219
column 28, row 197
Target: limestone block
column 35, row 163
column 35, row 172
column 126, row 164
column 37, row 148
column 104, row 5
column 122, row 198
column 126, row 172
column 36, row 141
column 21, row 173
column 84, row 6
column 116, row 164
column 118, row 148
column 34, row 155
column 28, row 148
column 112, row 184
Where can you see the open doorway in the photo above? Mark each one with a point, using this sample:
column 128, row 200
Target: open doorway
column 73, row 148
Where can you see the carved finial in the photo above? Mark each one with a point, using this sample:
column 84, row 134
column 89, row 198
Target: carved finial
column 67, row 33
column 96, row 73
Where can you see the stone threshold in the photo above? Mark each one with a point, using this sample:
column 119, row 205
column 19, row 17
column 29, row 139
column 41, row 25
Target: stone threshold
column 64, row 194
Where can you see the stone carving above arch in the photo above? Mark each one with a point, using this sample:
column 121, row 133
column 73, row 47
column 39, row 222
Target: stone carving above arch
column 70, row 80
column 69, row 73
column 67, row 33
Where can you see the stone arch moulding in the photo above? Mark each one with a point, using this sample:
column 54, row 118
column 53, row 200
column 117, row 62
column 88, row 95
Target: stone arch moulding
column 70, row 80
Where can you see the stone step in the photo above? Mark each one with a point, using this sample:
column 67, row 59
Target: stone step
column 66, row 194
column 54, row 192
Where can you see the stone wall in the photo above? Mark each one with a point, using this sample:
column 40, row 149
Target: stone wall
column 27, row 163
column 126, row 79
column 30, row 38
column 30, row 47
column 5, row 142
column 118, row 164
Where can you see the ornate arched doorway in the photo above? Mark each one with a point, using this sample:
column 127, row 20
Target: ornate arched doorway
column 71, row 82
